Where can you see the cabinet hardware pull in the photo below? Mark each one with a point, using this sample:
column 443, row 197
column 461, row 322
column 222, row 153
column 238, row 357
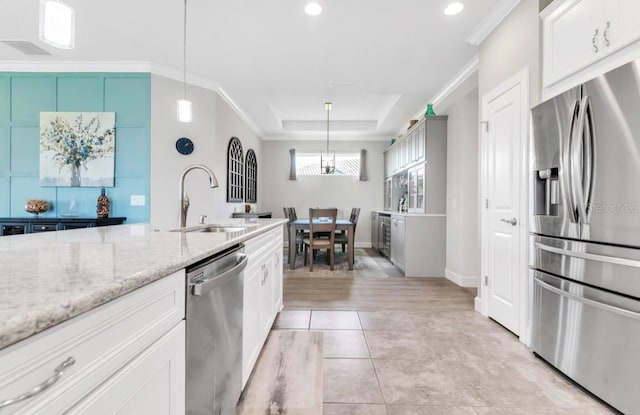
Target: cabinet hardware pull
column 593, row 41
column 57, row 374
column 605, row 35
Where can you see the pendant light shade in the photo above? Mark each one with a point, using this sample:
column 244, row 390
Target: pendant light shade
column 57, row 24
column 327, row 158
column 184, row 110
column 184, row 105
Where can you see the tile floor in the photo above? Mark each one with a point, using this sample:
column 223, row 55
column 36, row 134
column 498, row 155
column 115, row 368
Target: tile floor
column 431, row 363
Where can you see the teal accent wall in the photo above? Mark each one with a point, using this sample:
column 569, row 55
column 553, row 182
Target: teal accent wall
column 24, row 95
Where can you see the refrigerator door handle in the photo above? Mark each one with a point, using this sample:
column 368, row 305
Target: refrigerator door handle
column 567, row 168
column 597, row 304
column 590, row 257
column 582, row 161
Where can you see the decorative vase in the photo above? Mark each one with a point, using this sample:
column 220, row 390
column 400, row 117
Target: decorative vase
column 429, row 112
column 247, row 208
column 103, row 205
column 36, row 206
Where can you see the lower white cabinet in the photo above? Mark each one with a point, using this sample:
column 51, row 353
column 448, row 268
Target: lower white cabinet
column 262, row 295
column 153, row 383
column 126, row 354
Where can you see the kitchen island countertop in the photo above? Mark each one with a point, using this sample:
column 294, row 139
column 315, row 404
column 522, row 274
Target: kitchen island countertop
column 48, row 278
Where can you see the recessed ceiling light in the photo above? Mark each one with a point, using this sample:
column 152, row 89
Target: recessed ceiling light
column 313, row 9
column 453, row 8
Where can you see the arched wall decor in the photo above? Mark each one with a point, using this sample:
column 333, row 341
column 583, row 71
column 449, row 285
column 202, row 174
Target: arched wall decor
column 251, row 177
column 235, row 171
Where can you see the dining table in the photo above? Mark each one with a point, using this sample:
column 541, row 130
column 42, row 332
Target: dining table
column 341, row 224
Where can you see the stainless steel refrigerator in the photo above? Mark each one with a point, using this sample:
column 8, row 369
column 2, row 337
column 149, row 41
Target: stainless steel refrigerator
column 585, row 235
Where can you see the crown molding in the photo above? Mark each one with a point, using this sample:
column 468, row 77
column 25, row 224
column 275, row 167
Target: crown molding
column 238, row 110
column 177, row 75
column 463, row 74
column 70, row 66
column 499, row 12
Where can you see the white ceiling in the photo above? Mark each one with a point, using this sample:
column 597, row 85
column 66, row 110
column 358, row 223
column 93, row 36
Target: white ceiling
column 378, row 61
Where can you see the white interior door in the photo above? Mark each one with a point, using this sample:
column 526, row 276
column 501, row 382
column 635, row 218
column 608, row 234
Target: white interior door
column 504, row 141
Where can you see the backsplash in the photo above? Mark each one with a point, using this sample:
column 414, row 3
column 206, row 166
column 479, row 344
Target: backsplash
column 24, row 95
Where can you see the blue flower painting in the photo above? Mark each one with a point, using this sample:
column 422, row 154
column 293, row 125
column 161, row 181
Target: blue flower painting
column 77, row 149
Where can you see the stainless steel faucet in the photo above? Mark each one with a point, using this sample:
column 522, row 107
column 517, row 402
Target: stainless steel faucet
column 184, row 200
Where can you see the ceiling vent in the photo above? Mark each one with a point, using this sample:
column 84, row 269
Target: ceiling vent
column 25, row 47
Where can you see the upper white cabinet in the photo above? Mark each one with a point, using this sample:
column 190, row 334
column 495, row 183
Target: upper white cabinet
column 579, row 34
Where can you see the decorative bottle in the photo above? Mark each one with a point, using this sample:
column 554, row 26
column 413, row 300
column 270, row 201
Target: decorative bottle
column 103, row 205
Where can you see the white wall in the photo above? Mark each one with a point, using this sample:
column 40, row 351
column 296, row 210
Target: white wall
column 463, row 249
column 513, row 45
column 214, row 123
column 342, row 192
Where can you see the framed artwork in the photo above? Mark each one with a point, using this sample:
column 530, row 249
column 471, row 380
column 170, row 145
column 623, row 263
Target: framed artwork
column 77, row 149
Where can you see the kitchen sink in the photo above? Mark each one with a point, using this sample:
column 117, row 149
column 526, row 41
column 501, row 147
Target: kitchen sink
column 214, row 228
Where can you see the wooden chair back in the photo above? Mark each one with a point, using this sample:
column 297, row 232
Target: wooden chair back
column 324, row 226
column 355, row 214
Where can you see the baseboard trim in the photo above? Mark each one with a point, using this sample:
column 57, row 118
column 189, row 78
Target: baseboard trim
column 461, row 280
column 477, row 304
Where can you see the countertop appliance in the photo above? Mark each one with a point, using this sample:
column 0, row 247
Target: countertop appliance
column 214, row 333
column 585, row 234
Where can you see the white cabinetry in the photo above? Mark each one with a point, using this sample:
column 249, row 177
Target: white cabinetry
column 128, row 354
column 149, row 384
column 579, row 34
column 262, row 298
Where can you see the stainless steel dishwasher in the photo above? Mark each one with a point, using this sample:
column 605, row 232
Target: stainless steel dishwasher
column 214, row 333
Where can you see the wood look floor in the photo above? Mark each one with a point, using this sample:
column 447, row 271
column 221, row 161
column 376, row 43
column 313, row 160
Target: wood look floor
column 343, row 293
column 374, row 284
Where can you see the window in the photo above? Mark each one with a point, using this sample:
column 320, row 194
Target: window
column 235, row 171
column 251, row 177
column 308, row 163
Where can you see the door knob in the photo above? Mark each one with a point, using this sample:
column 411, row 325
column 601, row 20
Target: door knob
column 512, row 221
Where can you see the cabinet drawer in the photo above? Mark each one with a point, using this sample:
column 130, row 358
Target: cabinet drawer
column 44, row 227
column 100, row 341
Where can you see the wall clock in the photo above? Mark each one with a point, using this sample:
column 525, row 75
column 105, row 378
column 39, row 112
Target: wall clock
column 184, row 145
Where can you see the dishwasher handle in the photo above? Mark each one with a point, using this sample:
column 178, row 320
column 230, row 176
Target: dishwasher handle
column 201, row 287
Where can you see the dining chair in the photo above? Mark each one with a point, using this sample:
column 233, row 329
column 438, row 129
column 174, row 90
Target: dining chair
column 314, row 241
column 342, row 237
column 290, row 214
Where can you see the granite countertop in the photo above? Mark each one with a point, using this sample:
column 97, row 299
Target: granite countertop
column 47, row 278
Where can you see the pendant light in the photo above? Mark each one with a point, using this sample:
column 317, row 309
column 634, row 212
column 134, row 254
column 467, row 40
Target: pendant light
column 184, row 105
column 57, row 24
column 328, row 158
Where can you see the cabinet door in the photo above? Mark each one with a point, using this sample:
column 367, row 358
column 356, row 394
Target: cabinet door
column 420, row 186
column 152, row 383
column 266, row 299
column 388, row 193
column 422, row 136
column 572, row 38
column 374, row 230
column 413, row 189
column 277, row 279
column 251, row 320
column 398, row 230
column 622, row 25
